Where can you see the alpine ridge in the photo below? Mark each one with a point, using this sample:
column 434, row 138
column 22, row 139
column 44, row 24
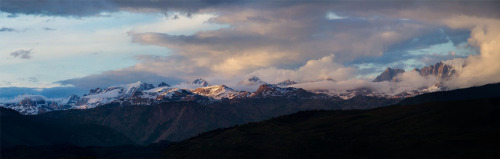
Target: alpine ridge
column 200, row 91
column 389, row 75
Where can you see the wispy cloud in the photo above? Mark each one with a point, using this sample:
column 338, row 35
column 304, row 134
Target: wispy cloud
column 48, row 29
column 23, row 54
column 4, row 29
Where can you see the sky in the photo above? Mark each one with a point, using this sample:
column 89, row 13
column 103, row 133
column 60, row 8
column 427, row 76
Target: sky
column 62, row 47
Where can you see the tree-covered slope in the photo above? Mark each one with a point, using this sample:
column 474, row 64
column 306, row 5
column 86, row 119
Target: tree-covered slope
column 463, row 129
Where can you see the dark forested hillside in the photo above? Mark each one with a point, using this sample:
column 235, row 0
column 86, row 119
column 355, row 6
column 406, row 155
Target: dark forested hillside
column 486, row 91
column 17, row 129
column 463, row 129
column 177, row 121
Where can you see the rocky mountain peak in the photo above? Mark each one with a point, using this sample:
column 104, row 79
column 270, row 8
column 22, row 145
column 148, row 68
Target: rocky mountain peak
column 269, row 90
column 388, row 75
column 139, row 86
column 73, row 99
column 163, row 84
column 254, row 79
column 440, row 70
column 286, row 83
column 95, row 91
column 145, row 86
column 201, row 82
column 212, row 89
column 219, row 92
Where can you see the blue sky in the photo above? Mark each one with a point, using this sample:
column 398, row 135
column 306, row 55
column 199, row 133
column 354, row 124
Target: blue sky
column 71, row 47
column 57, row 48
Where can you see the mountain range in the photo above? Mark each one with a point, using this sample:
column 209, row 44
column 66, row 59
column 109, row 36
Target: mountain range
column 443, row 70
column 200, row 91
column 446, row 125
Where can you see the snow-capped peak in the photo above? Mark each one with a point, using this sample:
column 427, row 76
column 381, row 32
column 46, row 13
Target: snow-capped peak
column 135, row 84
column 201, row 82
column 269, row 90
column 163, row 84
column 219, row 92
column 254, row 80
column 139, row 86
column 286, row 83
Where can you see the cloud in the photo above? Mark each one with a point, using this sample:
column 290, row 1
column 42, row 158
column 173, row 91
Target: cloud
column 111, row 78
column 23, row 54
column 284, row 37
column 4, row 29
column 78, row 8
column 422, row 46
column 412, row 80
column 57, row 7
column 333, row 16
column 298, row 40
column 358, row 8
column 54, row 92
column 312, row 70
column 48, row 29
column 483, row 22
column 33, row 79
column 483, row 68
column 342, row 86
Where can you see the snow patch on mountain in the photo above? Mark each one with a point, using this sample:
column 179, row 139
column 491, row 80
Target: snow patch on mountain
column 108, row 94
column 220, row 91
column 200, row 82
column 286, row 83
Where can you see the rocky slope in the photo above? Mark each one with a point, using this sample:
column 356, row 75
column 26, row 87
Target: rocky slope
column 440, row 70
column 444, row 70
column 221, row 91
column 286, row 83
column 389, row 75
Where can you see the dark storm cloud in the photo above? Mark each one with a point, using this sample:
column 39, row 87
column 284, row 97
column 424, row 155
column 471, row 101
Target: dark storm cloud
column 23, row 54
column 81, row 8
column 58, row 7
